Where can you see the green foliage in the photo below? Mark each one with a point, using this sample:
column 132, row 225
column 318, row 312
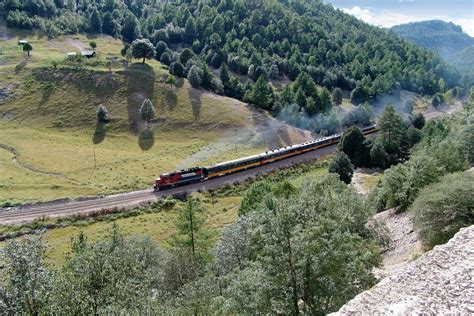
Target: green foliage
column 391, row 130
column 261, row 94
column 27, row 48
column 254, row 197
column 437, row 100
column 418, row 121
column 282, row 39
column 401, row 183
column 147, row 111
column 194, row 76
column 190, row 234
column 26, row 282
column 466, row 139
column 102, row 114
column 114, row 274
column 93, row 45
column 441, row 209
column 337, row 96
column 296, row 250
column 353, row 144
column 378, row 156
column 177, row 69
column 171, row 80
column 439, row 152
column 341, row 165
column 143, row 48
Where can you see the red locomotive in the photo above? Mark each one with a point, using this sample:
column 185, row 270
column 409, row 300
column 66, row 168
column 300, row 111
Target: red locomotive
column 182, row 177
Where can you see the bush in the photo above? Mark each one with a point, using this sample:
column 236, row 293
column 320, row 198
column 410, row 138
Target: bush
column 102, row 114
column 194, row 76
column 341, row 164
column 441, row 209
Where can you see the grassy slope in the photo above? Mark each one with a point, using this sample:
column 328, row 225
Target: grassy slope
column 159, row 225
column 49, row 119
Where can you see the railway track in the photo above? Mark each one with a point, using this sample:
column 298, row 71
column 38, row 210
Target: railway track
column 24, row 214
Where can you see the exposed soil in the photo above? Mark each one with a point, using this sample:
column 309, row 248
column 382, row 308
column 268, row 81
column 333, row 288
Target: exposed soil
column 440, row 282
column 404, row 245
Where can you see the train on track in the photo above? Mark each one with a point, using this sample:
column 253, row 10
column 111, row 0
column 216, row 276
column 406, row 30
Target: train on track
column 198, row 174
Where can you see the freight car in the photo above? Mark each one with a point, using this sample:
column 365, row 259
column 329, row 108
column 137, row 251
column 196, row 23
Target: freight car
column 198, row 174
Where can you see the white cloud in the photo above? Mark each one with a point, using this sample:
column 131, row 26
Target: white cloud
column 389, row 18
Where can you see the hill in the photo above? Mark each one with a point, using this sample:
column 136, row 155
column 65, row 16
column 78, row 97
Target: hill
column 274, row 39
column 52, row 147
column 444, row 38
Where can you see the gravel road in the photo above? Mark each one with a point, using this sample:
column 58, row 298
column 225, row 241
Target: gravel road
column 129, row 200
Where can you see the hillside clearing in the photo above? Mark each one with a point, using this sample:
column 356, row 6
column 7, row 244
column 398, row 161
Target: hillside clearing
column 48, row 117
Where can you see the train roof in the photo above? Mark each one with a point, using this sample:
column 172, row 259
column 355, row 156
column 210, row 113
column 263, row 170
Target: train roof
column 235, row 161
column 282, row 149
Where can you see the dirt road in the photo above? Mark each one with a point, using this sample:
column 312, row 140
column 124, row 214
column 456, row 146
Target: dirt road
column 129, row 200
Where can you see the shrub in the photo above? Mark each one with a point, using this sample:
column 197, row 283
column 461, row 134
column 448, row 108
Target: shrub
column 102, row 114
column 341, row 164
column 441, row 209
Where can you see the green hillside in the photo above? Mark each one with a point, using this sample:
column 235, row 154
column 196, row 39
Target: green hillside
column 52, row 146
column 444, row 38
column 271, row 39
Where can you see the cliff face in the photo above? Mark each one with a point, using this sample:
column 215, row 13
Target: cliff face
column 439, row 282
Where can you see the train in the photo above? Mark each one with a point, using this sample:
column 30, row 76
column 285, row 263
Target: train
column 199, row 174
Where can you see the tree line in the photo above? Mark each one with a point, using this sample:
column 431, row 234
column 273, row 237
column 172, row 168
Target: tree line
column 261, row 40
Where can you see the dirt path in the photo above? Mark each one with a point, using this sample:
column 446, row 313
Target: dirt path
column 16, row 161
column 443, row 110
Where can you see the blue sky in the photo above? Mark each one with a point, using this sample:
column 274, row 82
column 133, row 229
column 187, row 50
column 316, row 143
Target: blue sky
column 387, row 13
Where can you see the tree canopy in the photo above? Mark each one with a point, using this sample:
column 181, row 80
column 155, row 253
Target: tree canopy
column 143, row 48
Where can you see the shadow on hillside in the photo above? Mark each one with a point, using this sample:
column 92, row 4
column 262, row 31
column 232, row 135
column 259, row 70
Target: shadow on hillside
column 20, row 66
column 195, row 98
column 140, row 86
column 99, row 133
column 170, row 97
column 179, row 82
column 146, row 138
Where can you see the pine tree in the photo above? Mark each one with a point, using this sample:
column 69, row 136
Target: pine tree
column 353, row 145
column 224, row 75
column 391, row 130
column 190, row 30
column 147, row 111
column 325, row 97
column 262, row 94
column 194, row 77
column 190, row 231
column 102, row 114
column 96, row 21
column 206, row 78
column 337, row 96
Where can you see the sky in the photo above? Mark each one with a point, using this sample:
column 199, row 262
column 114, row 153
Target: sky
column 387, row 13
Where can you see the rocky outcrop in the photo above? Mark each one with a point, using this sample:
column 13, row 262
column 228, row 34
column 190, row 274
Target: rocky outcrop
column 439, row 282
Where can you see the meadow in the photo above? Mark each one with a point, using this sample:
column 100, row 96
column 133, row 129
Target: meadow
column 52, row 146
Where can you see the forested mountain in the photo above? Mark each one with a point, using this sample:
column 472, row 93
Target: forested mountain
column 255, row 38
column 446, row 39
